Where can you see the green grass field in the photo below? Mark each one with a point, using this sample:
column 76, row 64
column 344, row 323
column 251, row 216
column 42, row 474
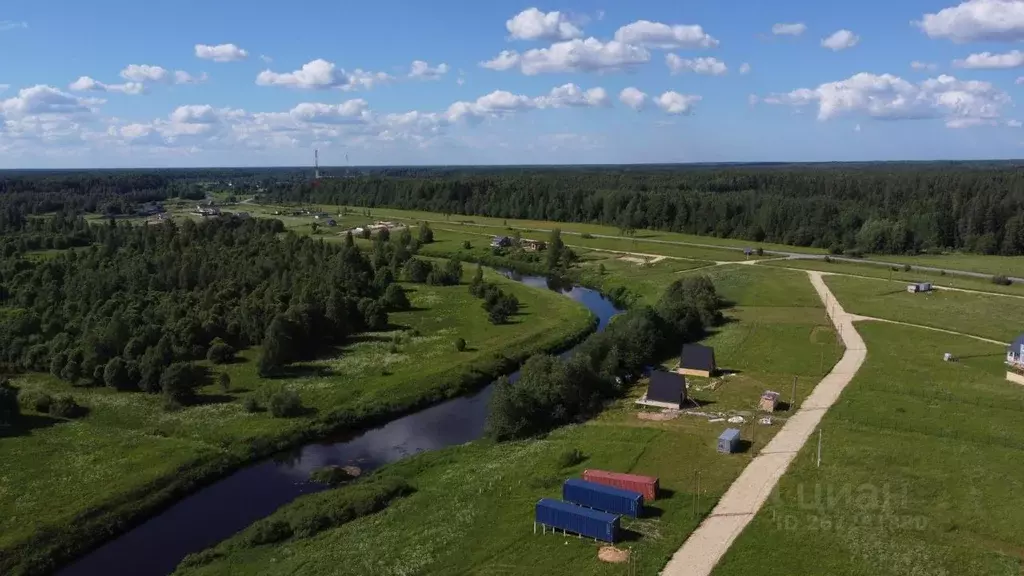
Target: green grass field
column 65, row 477
column 899, row 277
column 921, row 471
column 994, row 317
column 472, row 511
column 579, row 228
column 1005, row 265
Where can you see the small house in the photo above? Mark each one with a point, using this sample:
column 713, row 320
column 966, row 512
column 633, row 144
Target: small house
column 697, row 360
column 1015, row 361
column 747, row 252
column 916, row 287
column 532, row 245
column 242, row 215
column 332, row 222
column 501, row 242
column 665, row 390
column 729, row 441
column 769, row 401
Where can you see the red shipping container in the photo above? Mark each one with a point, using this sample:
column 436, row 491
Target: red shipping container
column 646, row 485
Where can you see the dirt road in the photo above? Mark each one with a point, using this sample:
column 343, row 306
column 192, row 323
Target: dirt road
column 706, row 546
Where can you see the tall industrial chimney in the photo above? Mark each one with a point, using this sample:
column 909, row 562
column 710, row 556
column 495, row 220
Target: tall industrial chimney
column 316, row 163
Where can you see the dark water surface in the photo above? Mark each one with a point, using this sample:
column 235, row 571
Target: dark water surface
column 157, row 546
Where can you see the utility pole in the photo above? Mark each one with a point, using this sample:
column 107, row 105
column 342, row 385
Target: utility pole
column 792, row 397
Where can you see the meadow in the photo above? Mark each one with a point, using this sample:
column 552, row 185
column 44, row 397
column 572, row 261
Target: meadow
column 67, row 483
column 921, row 465
column 472, row 509
column 994, row 317
column 899, row 276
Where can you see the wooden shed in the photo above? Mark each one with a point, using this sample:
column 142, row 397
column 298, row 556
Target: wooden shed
column 916, row 287
column 665, row 390
column 697, row 360
column 769, row 401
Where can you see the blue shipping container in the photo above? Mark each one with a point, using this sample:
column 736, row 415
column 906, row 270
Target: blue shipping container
column 601, row 497
column 577, row 519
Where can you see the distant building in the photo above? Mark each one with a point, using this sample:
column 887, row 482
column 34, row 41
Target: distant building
column 242, row 215
column 332, row 222
column 697, row 360
column 532, row 245
column 1015, row 361
column 916, row 287
column 665, row 390
column 501, row 242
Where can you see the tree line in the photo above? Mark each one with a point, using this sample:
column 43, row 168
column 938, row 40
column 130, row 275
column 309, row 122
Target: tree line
column 552, row 391
column 882, row 208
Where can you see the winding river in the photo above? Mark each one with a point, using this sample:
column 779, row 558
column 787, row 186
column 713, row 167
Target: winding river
column 218, row 511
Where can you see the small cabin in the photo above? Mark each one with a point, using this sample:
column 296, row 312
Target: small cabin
column 1015, row 361
column 729, row 441
column 332, row 222
column 697, row 360
column 501, row 242
column 665, row 390
column 916, row 287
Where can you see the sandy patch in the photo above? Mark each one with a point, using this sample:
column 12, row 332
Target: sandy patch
column 612, row 554
column 658, row 416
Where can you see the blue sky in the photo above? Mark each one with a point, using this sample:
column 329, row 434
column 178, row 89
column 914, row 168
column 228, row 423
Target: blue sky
column 114, row 83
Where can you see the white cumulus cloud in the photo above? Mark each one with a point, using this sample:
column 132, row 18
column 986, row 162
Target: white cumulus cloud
column 958, row 103
column 676, row 103
column 977, row 21
column 320, row 74
column 145, row 73
column 841, row 40
column 988, row 60
column 221, row 52
column 590, row 55
column 745, row 68
column 87, row 84
column 657, row 35
column 532, row 24
column 42, row 100
column 633, row 98
column 708, row 66
column 423, row 70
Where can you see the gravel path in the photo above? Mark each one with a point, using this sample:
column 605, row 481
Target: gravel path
column 706, row 546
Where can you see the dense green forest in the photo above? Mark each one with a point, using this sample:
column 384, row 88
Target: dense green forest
column 883, row 208
column 133, row 306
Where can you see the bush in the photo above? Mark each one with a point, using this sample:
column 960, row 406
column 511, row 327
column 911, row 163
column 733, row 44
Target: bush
column 224, row 381
column 330, row 475
column 1001, row 280
column 9, row 408
column 285, row 404
column 35, row 400
column 827, row 260
column 460, row 345
column 178, row 382
column 907, row 268
column 466, row 245
column 220, row 353
column 760, row 251
column 64, row 406
column 586, row 236
column 269, row 531
column 570, row 458
column 250, row 405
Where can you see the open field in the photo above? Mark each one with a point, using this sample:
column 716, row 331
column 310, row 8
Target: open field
column 899, row 277
column 573, row 227
column 992, row 317
column 472, row 510
column 67, row 482
column 1005, row 265
column 920, row 462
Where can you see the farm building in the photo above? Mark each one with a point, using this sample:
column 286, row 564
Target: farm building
column 332, row 222
column 729, row 441
column 769, row 401
column 532, row 245
column 501, row 242
column 697, row 360
column 665, row 390
column 1015, row 361
column 915, row 287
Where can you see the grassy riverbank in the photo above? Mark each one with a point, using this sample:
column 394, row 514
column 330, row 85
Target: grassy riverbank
column 921, row 469
column 68, row 484
column 472, row 509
